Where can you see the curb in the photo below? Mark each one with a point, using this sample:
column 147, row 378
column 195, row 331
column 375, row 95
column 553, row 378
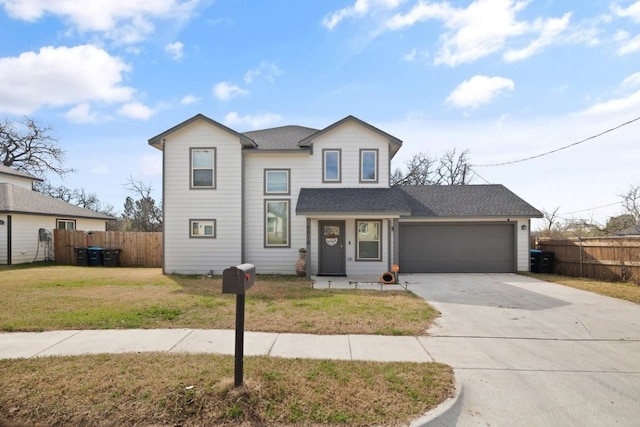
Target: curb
column 445, row 414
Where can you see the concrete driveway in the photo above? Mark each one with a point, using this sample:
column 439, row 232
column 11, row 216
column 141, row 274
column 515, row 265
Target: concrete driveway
column 532, row 353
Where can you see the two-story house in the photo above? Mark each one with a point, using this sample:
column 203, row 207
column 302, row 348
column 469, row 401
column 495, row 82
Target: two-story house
column 261, row 196
column 28, row 218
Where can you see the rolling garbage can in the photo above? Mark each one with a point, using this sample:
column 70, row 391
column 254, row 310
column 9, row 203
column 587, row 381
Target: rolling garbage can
column 111, row 257
column 96, row 256
column 541, row 261
column 82, row 257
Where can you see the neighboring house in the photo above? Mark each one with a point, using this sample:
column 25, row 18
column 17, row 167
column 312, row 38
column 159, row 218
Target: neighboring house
column 634, row 230
column 27, row 219
column 260, row 196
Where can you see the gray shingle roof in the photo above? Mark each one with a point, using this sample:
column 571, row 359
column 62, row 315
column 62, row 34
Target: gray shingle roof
column 14, row 199
column 466, row 201
column 280, row 138
column 428, row 201
column 634, row 230
column 352, row 200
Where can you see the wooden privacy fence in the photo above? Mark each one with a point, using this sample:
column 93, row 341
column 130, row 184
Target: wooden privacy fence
column 137, row 249
column 610, row 258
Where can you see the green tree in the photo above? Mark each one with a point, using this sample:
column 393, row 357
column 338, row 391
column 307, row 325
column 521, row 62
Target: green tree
column 143, row 213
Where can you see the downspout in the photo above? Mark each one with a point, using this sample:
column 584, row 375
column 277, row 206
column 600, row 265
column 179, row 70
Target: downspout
column 9, row 239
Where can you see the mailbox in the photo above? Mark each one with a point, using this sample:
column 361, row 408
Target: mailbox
column 236, row 280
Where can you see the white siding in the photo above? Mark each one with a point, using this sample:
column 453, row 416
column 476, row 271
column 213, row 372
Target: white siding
column 3, row 239
column 17, row 181
column 350, row 138
column 306, row 172
column 275, row 259
column 25, row 244
column 183, row 254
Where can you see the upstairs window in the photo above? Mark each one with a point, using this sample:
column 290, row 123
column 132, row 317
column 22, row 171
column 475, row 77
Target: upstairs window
column 331, row 165
column 203, row 168
column 368, row 165
column 66, row 224
column 276, row 181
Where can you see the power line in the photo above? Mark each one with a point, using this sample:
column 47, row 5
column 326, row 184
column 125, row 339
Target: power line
column 590, row 209
column 562, row 148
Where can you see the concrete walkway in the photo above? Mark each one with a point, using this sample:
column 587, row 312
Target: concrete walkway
column 338, row 347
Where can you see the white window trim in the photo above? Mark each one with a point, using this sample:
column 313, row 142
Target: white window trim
column 214, row 169
column 324, row 164
column 362, row 153
column 266, row 181
column 66, row 221
column 202, row 236
column 266, row 224
column 358, row 257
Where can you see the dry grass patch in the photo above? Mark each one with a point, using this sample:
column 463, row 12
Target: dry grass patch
column 49, row 297
column 620, row 290
column 190, row 390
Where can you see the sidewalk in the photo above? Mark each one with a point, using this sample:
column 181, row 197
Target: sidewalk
column 338, row 347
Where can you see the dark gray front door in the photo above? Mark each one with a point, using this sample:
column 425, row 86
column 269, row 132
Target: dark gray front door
column 331, row 250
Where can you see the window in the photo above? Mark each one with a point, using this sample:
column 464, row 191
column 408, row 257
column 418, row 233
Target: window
column 368, row 240
column 202, row 228
column 276, row 181
column 66, row 224
column 331, row 165
column 368, row 165
column 276, row 223
column 203, row 168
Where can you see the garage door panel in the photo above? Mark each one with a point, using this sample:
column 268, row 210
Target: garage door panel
column 459, row 248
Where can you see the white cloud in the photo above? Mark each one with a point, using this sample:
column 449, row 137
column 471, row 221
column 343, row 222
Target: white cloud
column 478, row 90
column 60, row 76
column 628, row 45
column 122, row 20
column 136, row 110
column 100, row 170
column 268, row 70
column 82, row 113
column 189, row 100
column 632, row 81
column 175, row 50
column 633, row 11
column 225, row 91
column 252, row 122
column 473, row 32
column 549, row 29
column 359, row 8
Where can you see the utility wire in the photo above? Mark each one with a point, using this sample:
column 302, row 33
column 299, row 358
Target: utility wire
column 591, row 209
column 562, row 148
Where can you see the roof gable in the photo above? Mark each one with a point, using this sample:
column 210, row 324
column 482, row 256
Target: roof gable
column 158, row 140
column 14, row 199
column 394, row 143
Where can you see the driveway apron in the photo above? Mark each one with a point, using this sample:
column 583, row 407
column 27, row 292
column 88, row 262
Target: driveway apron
column 532, row 353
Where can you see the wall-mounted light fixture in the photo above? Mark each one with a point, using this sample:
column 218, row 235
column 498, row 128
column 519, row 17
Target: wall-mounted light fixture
column 1, row 222
column 523, row 227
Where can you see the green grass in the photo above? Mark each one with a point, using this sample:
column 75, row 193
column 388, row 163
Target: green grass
column 190, row 390
column 50, row 297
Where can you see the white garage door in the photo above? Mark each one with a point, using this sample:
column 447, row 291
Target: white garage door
column 457, row 248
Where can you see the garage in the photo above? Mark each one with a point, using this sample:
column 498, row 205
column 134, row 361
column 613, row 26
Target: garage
column 482, row 247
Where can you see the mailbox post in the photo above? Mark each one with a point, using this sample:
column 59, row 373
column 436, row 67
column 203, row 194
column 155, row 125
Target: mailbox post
column 236, row 280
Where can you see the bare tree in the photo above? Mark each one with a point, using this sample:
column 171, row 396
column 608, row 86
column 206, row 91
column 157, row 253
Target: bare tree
column 142, row 214
column 631, row 202
column 29, row 147
column 79, row 197
column 422, row 169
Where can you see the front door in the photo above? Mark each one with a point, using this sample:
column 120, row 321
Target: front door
column 331, row 241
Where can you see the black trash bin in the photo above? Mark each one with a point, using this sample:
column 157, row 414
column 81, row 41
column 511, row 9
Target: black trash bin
column 111, row 257
column 541, row 261
column 96, row 256
column 82, row 257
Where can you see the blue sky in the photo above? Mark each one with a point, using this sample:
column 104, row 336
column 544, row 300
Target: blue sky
column 505, row 79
